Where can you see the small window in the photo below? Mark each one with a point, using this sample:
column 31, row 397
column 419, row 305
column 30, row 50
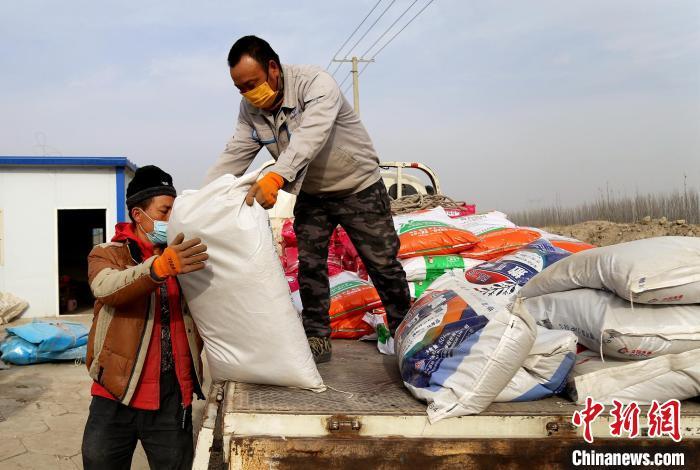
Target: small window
column 98, row 236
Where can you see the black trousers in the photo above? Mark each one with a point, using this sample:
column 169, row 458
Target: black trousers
column 366, row 217
column 112, row 430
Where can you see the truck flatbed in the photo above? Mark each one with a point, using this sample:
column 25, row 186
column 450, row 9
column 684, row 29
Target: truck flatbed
column 367, row 408
column 376, row 387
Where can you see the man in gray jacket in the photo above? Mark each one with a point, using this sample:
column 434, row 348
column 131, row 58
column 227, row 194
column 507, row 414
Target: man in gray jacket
column 325, row 156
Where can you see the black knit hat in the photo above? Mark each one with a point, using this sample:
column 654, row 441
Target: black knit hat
column 149, row 181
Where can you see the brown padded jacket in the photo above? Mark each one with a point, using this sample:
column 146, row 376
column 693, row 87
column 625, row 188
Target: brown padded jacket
column 124, row 318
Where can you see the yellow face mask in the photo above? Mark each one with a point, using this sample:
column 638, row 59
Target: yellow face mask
column 262, row 96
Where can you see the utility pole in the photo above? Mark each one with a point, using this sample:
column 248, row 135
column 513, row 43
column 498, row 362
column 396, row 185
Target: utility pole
column 355, row 80
column 355, row 86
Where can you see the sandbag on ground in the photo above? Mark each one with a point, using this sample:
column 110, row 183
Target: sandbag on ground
column 52, row 336
column 457, row 350
column 661, row 270
column 627, row 332
column 662, row 378
column 241, row 302
column 11, row 307
column 17, row 350
column 545, row 370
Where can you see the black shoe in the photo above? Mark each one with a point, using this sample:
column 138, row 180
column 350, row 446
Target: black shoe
column 320, row 348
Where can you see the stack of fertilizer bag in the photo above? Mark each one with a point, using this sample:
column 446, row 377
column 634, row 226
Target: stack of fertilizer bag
column 463, row 345
column 433, row 242
column 240, row 301
column 352, row 295
column 636, row 307
column 355, row 308
column 43, row 341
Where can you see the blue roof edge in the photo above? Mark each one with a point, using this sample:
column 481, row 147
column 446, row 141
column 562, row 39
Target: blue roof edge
column 11, row 160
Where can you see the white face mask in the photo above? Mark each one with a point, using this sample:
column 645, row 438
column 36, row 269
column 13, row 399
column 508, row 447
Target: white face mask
column 159, row 235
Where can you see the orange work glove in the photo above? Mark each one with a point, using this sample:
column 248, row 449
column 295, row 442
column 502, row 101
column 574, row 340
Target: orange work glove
column 265, row 191
column 167, row 264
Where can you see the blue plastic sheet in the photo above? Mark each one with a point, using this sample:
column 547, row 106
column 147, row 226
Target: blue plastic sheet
column 16, row 350
column 52, row 336
column 44, row 341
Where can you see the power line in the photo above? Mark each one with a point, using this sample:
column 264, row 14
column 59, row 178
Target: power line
column 345, row 80
column 336, row 69
column 391, row 39
column 353, row 33
column 389, row 28
column 360, row 73
column 370, row 28
column 404, row 27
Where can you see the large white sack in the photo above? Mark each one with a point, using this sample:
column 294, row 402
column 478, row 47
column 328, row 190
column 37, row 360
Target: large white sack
column 545, row 370
column 241, row 302
column 662, row 378
column 662, row 270
column 625, row 331
column 457, row 350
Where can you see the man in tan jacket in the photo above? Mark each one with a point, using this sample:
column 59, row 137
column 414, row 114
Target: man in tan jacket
column 143, row 350
column 324, row 155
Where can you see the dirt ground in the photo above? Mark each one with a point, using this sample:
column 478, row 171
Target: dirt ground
column 603, row 233
column 43, row 409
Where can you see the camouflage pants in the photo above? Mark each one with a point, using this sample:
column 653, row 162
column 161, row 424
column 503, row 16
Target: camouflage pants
column 366, row 217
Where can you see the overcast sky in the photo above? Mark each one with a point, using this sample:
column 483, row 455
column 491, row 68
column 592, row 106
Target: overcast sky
column 514, row 104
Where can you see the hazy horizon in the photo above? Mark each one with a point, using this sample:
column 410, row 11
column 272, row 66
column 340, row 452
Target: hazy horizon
column 515, row 105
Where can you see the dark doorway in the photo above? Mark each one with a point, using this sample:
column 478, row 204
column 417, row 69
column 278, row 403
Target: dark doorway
column 78, row 231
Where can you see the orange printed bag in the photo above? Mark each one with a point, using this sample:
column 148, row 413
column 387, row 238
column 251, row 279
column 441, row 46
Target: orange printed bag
column 500, row 242
column 431, row 232
column 351, row 298
column 351, row 326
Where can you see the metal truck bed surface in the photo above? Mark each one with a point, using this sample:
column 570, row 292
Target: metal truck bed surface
column 375, row 384
column 371, row 420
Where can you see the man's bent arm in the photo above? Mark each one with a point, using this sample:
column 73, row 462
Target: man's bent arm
column 115, row 286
